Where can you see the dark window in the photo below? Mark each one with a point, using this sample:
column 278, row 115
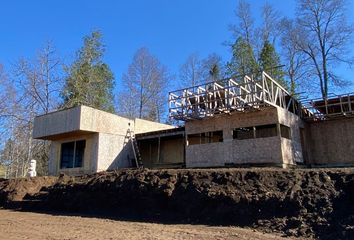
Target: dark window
column 207, row 137
column 285, row 132
column 194, row 139
column 262, row 131
column 67, row 155
column 215, row 136
column 266, row 131
column 243, row 133
column 72, row 154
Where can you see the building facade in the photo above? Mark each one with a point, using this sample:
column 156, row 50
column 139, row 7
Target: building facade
column 233, row 122
column 86, row 140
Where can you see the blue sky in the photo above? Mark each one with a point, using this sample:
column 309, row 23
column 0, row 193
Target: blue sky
column 170, row 29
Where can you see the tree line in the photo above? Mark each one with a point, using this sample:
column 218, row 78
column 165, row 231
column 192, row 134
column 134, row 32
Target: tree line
column 301, row 53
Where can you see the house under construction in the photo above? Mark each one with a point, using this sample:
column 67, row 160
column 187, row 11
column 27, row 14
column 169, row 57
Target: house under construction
column 232, row 122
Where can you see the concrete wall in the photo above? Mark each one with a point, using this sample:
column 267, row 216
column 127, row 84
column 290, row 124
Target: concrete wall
column 228, row 122
column 78, row 120
column 94, row 120
column 260, row 150
column 142, row 126
column 247, row 151
column 87, row 119
column 256, row 151
column 114, row 151
column 206, row 155
column 59, row 122
column 275, row 150
column 287, row 151
column 331, row 142
column 291, row 149
column 103, row 151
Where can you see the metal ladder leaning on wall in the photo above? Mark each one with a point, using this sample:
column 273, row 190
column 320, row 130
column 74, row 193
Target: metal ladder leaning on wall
column 137, row 156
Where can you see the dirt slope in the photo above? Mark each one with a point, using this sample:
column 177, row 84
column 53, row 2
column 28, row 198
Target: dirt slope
column 307, row 203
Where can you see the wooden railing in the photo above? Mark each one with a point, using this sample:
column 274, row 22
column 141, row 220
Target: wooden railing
column 332, row 107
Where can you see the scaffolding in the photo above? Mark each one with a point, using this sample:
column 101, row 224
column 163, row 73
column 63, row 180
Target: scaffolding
column 230, row 95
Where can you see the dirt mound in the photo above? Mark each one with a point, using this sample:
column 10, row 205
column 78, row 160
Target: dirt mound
column 16, row 189
column 306, row 203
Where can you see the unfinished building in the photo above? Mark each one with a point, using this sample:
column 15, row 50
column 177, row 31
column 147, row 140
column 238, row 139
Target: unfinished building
column 86, row 140
column 330, row 131
column 231, row 122
column 244, row 121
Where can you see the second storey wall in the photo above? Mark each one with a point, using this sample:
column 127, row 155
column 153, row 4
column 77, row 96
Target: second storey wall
column 331, row 142
column 230, row 150
column 291, row 148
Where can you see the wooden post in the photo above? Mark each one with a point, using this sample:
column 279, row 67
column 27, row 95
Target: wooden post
column 158, row 149
column 278, row 130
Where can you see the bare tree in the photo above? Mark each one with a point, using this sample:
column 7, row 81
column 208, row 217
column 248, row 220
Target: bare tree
column 213, row 68
column 245, row 27
column 270, row 28
column 251, row 36
column 295, row 60
column 191, row 71
column 324, row 38
column 6, row 97
column 7, row 93
column 39, row 80
column 35, row 88
column 144, row 85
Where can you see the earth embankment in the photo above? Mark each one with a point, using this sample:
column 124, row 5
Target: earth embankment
column 316, row 203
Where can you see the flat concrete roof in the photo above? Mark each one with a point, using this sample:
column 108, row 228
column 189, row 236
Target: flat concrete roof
column 83, row 120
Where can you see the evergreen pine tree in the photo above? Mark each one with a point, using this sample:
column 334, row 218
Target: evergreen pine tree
column 214, row 72
column 243, row 61
column 89, row 81
column 270, row 63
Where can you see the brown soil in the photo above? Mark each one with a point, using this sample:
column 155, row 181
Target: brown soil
column 33, row 226
column 314, row 203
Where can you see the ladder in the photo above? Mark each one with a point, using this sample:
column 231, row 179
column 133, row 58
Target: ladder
column 135, row 148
